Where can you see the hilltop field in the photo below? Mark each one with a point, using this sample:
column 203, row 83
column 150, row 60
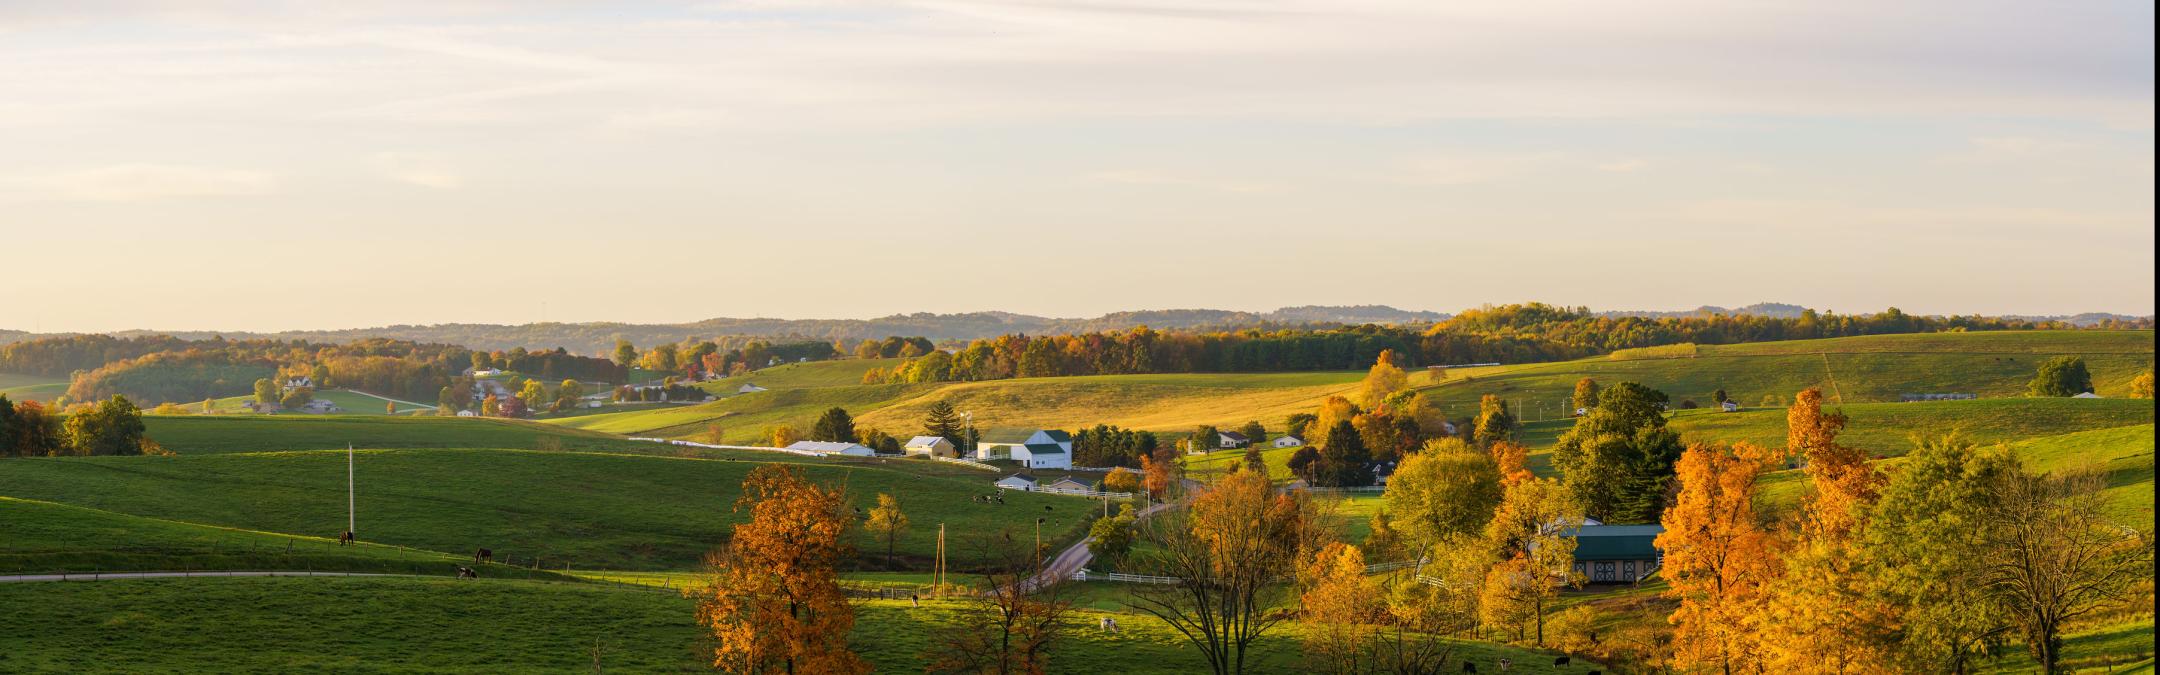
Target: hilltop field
column 578, row 515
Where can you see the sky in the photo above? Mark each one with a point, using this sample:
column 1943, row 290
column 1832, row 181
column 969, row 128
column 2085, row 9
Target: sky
column 306, row 165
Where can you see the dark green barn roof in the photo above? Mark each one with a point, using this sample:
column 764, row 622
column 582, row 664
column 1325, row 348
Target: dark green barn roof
column 1617, row 542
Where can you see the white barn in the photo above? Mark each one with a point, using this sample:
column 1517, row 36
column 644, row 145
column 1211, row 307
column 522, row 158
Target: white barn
column 1016, row 482
column 1288, row 442
column 833, row 448
column 1040, row 449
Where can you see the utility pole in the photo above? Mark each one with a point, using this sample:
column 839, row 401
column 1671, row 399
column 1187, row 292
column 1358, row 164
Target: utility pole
column 352, row 517
column 938, row 578
column 970, row 434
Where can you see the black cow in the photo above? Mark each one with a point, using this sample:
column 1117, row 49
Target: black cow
column 1469, row 667
column 347, row 538
column 1560, row 661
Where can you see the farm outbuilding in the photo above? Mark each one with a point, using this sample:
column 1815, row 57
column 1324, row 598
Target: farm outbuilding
column 935, row 446
column 833, row 448
column 1289, row 442
column 1617, row 554
column 1016, row 482
column 1039, row 449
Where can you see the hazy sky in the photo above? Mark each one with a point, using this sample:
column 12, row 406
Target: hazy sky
column 267, row 165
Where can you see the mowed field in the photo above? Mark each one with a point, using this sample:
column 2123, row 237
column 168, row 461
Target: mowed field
column 450, row 626
column 220, row 434
column 583, row 510
column 45, row 537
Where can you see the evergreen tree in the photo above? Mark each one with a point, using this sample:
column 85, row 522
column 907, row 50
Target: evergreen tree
column 835, row 426
column 944, row 423
column 1343, row 461
column 1618, row 458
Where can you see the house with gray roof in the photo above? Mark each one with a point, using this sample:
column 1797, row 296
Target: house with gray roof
column 1036, row 449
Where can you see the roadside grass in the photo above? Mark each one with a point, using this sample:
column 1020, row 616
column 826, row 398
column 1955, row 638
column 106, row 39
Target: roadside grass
column 46, row 537
column 583, row 510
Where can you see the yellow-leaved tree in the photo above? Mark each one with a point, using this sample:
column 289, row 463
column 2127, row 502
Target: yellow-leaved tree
column 1718, row 559
column 772, row 599
column 1819, row 617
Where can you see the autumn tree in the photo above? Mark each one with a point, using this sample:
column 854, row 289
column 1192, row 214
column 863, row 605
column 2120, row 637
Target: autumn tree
column 1586, row 394
column 1494, row 422
column 1719, row 560
column 1531, row 530
column 1819, row 615
column 773, row 599
column 1111, row 537
column 781, row 436
column 1382, row 380
column 1236, row 539
column 1159, row 472
column 534, row 393
column 835, row 426
column 887, row 521
column 266, row 391
column 1121, row 479
column 1297, row 423
column 490, row 406
column 1445, row 489
column 2142, row 385
column 2059, row 377
column 1333, row 410
column 1512, row 459
column 626, row 354
column 1339, row 609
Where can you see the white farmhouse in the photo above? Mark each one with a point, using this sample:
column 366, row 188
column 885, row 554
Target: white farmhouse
column 1041, row 449
column 1288, row 442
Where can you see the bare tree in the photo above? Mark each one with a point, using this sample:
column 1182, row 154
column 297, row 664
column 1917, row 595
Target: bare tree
column 1230, row 553
column 2051, row 555
column 1010, row 624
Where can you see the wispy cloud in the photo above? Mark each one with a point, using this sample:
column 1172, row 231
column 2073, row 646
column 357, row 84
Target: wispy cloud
column 139, row 182
column 422, row 169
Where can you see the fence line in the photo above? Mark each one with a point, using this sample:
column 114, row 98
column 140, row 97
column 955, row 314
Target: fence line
column 1341, row 490
column 805, row 453
column 965, row 462
column 1072, row 491
column 1085, row 575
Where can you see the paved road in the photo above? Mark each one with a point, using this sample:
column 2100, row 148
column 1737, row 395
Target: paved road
column 104, row 576
column 1077, row 556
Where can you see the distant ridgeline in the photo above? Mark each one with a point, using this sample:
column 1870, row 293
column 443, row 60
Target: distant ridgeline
column 156, row 369
column 1508, row 334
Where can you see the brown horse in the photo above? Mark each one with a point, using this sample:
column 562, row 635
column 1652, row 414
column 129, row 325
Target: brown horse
column 347, row 538
column 482, row 555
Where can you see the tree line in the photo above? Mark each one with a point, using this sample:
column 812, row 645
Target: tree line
column 111, row 427
column 1510, row 334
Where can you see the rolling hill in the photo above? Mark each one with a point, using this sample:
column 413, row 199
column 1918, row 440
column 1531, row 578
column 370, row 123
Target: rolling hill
column 587, row 510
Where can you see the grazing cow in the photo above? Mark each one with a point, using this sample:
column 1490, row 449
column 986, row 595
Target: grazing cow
column 1506, row 665
column 1597, row 672
column 1560, row 661
column 346, row 538
column 1107, row 625
column 464, row 572
column 1469, row 667
column 482, row 555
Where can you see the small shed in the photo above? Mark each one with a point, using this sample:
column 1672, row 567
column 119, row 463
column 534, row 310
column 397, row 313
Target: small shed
column 1289, row 442
column 935, row 446
column 2088, row 395
column 1067, row 483
column 1729, row 406
column 748, row 388
column 1018, row 481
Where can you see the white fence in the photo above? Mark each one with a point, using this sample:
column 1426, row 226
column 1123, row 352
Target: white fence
column 804, row 453
column 1343, row 490
column 965, row 462
column 1072, row 491
column 1084, row 575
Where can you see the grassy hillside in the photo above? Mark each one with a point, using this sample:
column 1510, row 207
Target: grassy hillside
column 47, row 537
column 1849, row 370
column 587, row 510
column 40, row 388
column 835, row 373
column 213, row 434
column 1887, row 428
column 745, row 417
column 407, row 625
column 2125, row 454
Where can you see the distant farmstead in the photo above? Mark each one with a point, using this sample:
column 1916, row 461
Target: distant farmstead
column 1617, row 554
column 1231, row 440
column 1040, row 449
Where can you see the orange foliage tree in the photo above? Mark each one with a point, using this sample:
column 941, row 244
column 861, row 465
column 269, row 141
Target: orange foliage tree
column 772, row 600
column 1820, row 617
column 1513, row 459
column 1718, row 559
